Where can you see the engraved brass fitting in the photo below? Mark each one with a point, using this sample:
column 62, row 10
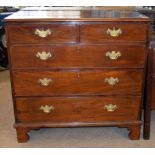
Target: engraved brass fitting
column 113, row 55
column 111, row 81
column 113, row 32
column 110, row 107
column 43, row 55
column 46, row 108
column 42, row 33
column 45, row 81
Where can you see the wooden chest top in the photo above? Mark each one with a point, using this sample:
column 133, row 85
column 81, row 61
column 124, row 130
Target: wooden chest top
column 72, row 14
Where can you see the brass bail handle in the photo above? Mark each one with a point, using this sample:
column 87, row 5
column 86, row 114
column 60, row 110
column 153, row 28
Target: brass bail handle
column 45, row 81
column 114, row 32
column 111, row 81
column 110, row 107
column 47, row 109
column 42, row 33
column 113, row 55
column 43, row 55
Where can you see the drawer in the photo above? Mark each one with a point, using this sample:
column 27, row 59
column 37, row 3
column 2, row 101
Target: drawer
column 61, row 56
column 89, row 82
column 83, row 109
column 113, row 32
column 51, row 33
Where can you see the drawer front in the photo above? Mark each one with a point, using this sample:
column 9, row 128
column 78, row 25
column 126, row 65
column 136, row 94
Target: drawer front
column 75, row 83
column 113, row 32
column 42, row 33
column 83, row 109
column 60, row 56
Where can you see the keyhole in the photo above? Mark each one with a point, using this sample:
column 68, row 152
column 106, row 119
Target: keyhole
column 78, row 74
column 78, row 49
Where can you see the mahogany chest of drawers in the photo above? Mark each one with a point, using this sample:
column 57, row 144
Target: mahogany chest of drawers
column 77, row 68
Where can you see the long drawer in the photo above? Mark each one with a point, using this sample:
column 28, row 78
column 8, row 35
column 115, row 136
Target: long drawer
column 64, row 56
column 113, row 32
column 83, row 109
column 42, row 33
column 89, row 82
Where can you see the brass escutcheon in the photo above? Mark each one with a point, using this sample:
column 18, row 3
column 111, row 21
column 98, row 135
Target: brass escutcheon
column 113, row 32
column 110, row 107
column 43, row 55
column 46, row 108
column 111, row 81
column 113, row 55
column 45, row 81
column 43, row 33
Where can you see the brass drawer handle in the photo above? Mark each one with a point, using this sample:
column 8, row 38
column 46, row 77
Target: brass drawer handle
column 110, row 107
column 111, row 81
column 43, row 33
column 47, row 109
column 113, row 55
column 113, row 32
column 45, row 81
column 43, row 55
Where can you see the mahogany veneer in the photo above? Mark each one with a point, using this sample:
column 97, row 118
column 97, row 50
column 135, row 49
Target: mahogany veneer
column 75, row 56
column 82, row 109
column 83, row 68
column 97, row 32
column 59, row 33
column 87, row 82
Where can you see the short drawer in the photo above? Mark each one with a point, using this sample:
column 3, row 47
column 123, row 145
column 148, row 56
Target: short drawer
column 72, row 56
column 51, row 33
column 40, row 83
column 83, row 109
column 113, row 32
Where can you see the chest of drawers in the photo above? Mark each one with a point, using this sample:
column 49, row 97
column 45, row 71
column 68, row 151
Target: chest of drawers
column 83, row 68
